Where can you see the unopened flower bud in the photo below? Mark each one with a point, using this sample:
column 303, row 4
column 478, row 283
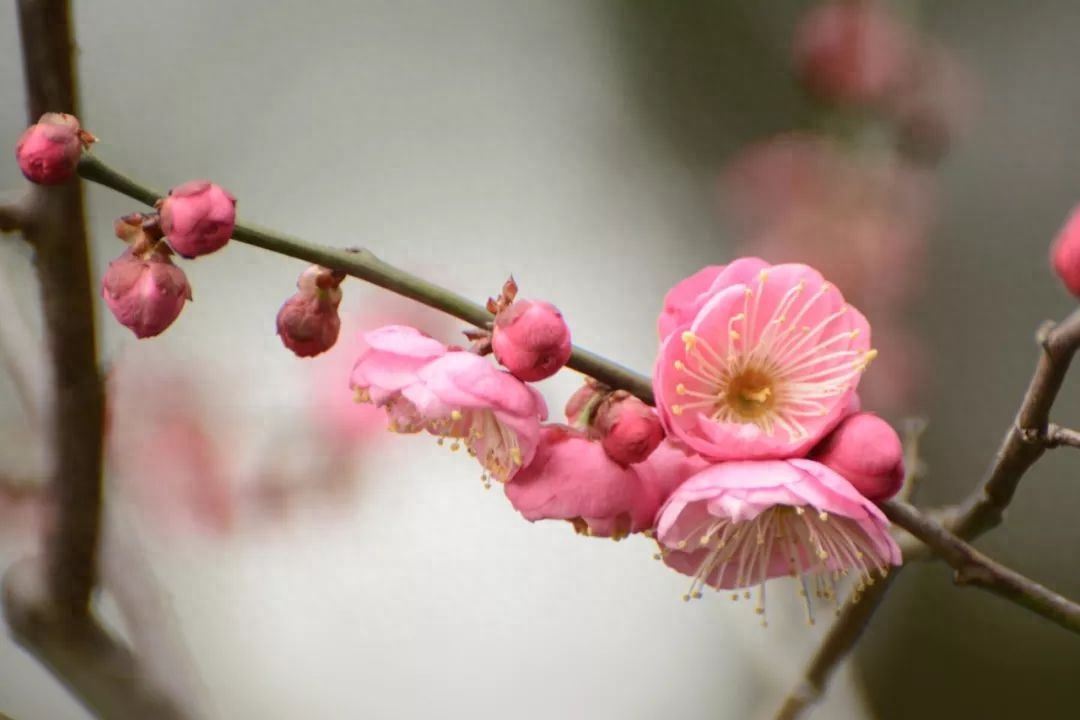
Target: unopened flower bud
column 531, row 340
column 581, row 406
column 49, row 151
column 853, row 51
column 867, row 452
column 198, row 217
column 145, row 292
column 629, row 429
column 308, row 322
column 1065, row 253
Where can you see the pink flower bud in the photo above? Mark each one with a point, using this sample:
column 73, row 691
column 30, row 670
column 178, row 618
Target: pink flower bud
column 582, row 404
column 853, row 51
column 198, row 217
column 145, row 292
column 49, row 151
column 867, row 452
column 1065, row 253
column 531, row 340
column 629, row 429
column 308, row 322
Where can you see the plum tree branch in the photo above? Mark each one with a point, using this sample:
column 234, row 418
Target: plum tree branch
column 363, row 264
column 974, row 568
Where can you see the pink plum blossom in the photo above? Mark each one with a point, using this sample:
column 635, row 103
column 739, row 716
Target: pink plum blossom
column 198, row 217
column 571, row 478
column 867, row 452
column 144, row 290
column 49, row 151
column 682, row 302
column 389, row 365
column 531, row 339
column 454, row 394
column 464, row 398
column 737, row 524
column 765, row 369
column 668, row 467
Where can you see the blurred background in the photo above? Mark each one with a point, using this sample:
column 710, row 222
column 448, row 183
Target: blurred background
column 273, row 555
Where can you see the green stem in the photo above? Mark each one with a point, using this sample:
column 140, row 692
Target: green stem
column 363, row 264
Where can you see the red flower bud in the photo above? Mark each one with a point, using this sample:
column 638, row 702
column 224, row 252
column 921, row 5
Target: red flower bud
column 198, row 217
column 867, row 452
column 145, row 292
column 629, row 429
column 531, row 339
column 49, row 151
column 308, row 322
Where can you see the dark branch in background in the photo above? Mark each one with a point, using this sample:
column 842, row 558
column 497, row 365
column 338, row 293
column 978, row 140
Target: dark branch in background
column 47, row 601
column 363, row 264
column 974, row 568
column 15, row 212
column 838, row 642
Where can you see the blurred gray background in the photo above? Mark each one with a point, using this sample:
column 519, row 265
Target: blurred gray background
column 575, row 144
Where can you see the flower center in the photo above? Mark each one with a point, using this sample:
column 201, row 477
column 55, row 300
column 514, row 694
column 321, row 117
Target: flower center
column 750, row 394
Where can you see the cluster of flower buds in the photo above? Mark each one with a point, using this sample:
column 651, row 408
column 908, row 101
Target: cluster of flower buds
column 756, row 462
column 858, row 54
column 143, row 288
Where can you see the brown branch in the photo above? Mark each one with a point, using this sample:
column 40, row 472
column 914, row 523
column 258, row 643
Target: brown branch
column 63, row 265
column 47, row 602
column 1057, row 436
column 15, row 212
column 1026, row 440
column 974, row 568
column 93, row 665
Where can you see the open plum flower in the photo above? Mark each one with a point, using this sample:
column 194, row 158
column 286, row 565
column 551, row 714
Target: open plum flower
column 390, row 365
column 454, row 394
column 496, row 416
column 737, row 524
column 767, row 367
column 572, row 478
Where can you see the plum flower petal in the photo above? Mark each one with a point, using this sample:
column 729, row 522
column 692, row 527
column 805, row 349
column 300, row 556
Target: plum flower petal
column 682, row 302
column 389, row 367
column 571, row 478
column 496, row 416
column 765, row 369
column 735, row 525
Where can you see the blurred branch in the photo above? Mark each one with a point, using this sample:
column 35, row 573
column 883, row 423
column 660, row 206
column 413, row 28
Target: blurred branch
column 1056, row 436
column 47, row 601
column 93, row 665
column 835, row 646
column 15, row 211
column 974, row 568
column 363, row 264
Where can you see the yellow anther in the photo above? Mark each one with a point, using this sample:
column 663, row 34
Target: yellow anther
column 680, row 389
column 515, row 455
column 762, row 275
column 676, row 409
column 734, row 334
column 679, row 365
column 689, row 339
column 823, row 516
column 455, row 415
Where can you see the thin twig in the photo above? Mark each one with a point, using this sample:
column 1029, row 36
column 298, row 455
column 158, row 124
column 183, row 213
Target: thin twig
column 15, row 211
column 363, row 264
column 835, row 646
column 1026, row 440
column 1057, row 436
column 974, row 568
